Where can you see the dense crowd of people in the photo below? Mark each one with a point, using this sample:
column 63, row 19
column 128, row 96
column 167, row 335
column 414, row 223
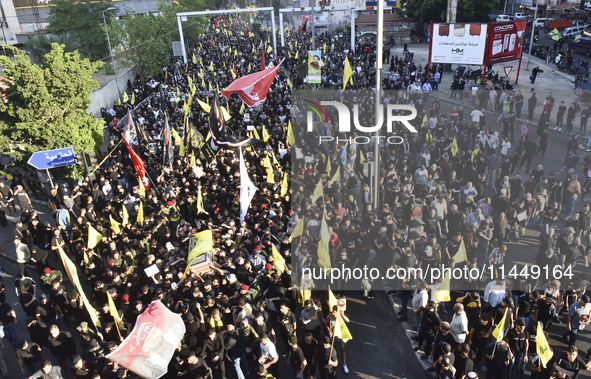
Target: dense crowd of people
column 455, row 184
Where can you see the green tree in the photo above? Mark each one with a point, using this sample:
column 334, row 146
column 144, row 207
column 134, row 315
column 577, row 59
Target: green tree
column 145, row 41
column 46, row 105
column 84, row 21
column 40, row 44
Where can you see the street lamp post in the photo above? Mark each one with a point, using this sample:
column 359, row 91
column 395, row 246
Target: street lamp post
column 111, row 50
column 531, row 38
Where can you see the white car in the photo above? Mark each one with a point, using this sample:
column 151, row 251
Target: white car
column 541, row 22
column 520, row 16
column 504, row 17
column 573, row 31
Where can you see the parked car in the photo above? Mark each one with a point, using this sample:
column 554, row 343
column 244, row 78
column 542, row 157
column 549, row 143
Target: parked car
column 541, row 22
column 582, row 45
column 520, row 16
column 573, row 31
column 504, row 17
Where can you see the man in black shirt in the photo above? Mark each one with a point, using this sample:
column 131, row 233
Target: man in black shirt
column 570, row 365
column 236, row 351
column 525, row 305
column 62, row 346
column 213, row 351
column 430, row 322
column 518, row 340
column 29, row 355
column 328, row 360
column 463, row 363
column 310, row 349
column 296, row 359
column 195, row 367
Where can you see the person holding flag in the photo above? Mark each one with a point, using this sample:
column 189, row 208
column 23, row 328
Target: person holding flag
column 337, row 328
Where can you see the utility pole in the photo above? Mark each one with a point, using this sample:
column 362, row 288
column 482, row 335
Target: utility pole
column 531, row 38
column 379, row 63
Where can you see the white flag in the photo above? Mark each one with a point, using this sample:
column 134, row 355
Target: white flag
column 149, row 347
column 247, row 189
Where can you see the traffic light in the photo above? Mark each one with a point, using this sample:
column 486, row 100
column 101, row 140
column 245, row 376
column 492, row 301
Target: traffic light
column 90, row 162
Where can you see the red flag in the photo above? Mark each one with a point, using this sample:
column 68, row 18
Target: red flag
column 217, row 20
column 137, row 163
column 253, row 88
column 234, row 68
column 263, row 59
column 211, row 42
column 304, row 26
column 225, row 21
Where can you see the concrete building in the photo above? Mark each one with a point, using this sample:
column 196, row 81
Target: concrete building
column 21, row 17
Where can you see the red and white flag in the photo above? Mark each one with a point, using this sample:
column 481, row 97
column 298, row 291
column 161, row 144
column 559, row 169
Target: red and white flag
column 253, row 88
column 150, row 346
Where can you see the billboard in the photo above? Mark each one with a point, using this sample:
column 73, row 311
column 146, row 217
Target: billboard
column 314, row 66
column 458, row 43
column 506, row 41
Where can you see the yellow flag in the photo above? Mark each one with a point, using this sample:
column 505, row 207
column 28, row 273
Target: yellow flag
column 460, row 256
column 336, row 177
column 298, row 230
column 265, row 134
column 269, row 49
column 425, row 121
column 296, row 43
column 340, row 329
column 454, row 147
column 200, row 201
column 323, row 252
column 72, row 273
column 324, row 48
column 233, row 74
column 113, row 309
column 125, row 219
column 499, row 331
column 361, row 157
column 132, row 98
column 290, row 137
column 114, row 225
column 249, row 67
column 332, row 300
column 194, row 59
column 542, row 347
column 443, row 293
column 289, row 83
column 211, row 66
column 241, row 111
column 225, row 113
column 284, row 185
column 205, row 107
column 235, row 53
column 275, row 161
column 278, row 260
column 270, row 175
column 328, row 167
column 140, row 214
column 202, row 243
column 94, row 237
column 85, row 257
column 304, row 295
column 474, row 154
column 347, row 73
column 318, row 193
column 118, row 101
column 142, row 188
column 209, row 88
column 192, row 160
column 256, row 133
column 289, row 55
column 125, row 97
column 297, row 54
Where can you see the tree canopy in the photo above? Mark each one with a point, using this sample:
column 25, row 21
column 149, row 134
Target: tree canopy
column 84, row 21
column 45, row 105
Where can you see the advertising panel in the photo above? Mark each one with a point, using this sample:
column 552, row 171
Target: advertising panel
column 506, row 41
column 314, row 66
column 458, row 43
